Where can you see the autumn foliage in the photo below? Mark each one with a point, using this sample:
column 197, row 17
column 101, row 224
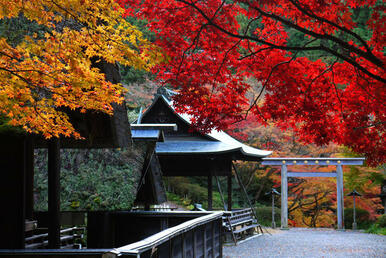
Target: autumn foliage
column 214, row 46
column 51, row 69
column 311, row 201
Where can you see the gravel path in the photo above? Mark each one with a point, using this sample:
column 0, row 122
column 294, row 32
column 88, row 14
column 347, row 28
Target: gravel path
column 304, row 242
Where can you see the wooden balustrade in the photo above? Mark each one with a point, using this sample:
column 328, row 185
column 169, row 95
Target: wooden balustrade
column 183, row 234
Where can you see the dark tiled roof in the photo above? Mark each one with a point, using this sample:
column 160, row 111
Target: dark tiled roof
column 152, row 135
column 191, row 147
column 221, row 142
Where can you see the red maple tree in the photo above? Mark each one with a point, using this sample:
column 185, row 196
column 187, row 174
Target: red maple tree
column 213, row 46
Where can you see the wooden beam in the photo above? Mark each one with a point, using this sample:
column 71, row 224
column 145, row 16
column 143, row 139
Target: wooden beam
column 229, row 192
column 210, row 193
column 312, row 161
column 311, row 174
column 163, row 127
column 284, row 197
column 54, row 194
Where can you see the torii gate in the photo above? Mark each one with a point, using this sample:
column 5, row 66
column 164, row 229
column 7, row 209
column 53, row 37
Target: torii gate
column 338, row 162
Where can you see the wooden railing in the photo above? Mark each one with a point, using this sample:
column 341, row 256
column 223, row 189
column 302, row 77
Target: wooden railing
column 69, row 239
column 200, row 236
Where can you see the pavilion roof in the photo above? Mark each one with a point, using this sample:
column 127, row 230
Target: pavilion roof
column 150, row 132
column 215, row 142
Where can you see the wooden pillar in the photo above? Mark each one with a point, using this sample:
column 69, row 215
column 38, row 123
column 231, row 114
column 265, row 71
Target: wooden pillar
column 210, row 193
column 354, row 224
column 12, row 192
column 29, row 201
column 339, row 196
column 284, row 197
column 53, row 194
column 273, row 210
column 229, row 193
column 204, row 237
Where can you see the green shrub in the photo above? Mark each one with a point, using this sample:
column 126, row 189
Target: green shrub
column 264, row 215
column 381, row 221
column 362, row 218
column 98, row 179
column 376, row 229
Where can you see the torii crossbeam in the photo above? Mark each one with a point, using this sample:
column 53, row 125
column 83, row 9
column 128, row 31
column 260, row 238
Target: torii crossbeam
column 338, row 162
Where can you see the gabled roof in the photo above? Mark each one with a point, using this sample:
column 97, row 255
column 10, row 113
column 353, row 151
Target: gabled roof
column 218, row 142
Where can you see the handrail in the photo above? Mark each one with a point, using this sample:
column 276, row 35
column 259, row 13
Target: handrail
column 165, row 235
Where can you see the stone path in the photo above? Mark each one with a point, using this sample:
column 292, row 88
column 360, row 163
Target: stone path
column 303, row 242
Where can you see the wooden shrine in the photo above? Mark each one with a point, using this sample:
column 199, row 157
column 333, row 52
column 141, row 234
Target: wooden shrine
column 187, row 153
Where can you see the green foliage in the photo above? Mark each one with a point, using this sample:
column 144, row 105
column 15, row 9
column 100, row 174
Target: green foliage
column 379, row 227
column 180, row 201
column 15, row 29
column 132, row 115
column 376, row 229
column 6, row 129
column 190, row 192
column 362, row 218
column 103, row 179
column 382, row 221
column 264, row 215
column 129, row 74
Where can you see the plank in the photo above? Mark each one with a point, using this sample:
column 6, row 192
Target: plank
column 246, row 228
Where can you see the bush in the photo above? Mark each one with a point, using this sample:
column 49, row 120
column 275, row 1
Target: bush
column 264, row 215
column 95, row 179
column 376, row 229
column 362, row 218
column 381, row 221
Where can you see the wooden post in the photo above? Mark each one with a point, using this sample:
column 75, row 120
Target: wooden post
column 339, row 196
column 273, row 211
column 204, row 242
column 12, row 192
column 194, row 243
column 284, row 197
column 210, row 193
column 213, row 239
column 354, row 224
column 183, row 245
column 29, row 201
column 54, row 194
column 229, row 193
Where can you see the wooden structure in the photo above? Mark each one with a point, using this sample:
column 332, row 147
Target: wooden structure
column 187, row 153
column 17, row 171
column 240, row 223
column 150, row 188
column 338, row 162
column 162, row 234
